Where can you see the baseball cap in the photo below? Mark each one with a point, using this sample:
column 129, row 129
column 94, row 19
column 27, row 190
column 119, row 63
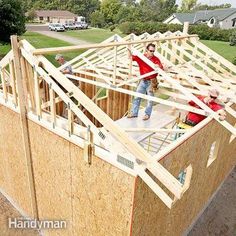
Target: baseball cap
column 58, row 56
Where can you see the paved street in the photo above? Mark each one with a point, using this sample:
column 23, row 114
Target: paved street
column 43, row 29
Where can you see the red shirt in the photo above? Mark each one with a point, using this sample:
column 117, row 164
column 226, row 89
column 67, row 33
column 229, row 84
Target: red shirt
column 145, row 68
column 196, row 118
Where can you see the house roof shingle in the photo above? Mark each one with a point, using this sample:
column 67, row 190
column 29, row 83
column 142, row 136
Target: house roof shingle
column 219, row 14
column 54, row 13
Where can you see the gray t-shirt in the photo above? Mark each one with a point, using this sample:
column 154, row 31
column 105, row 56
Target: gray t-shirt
column 68, row 68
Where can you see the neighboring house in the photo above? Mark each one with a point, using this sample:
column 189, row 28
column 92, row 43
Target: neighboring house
column 222, row 18
column 54, row 16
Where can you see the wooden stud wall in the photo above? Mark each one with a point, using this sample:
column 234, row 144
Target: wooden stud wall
column 115, row 105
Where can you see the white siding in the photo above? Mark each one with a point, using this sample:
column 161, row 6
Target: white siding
column 227, row 23
column 211, row 22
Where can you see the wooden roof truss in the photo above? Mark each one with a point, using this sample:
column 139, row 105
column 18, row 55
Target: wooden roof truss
column 192, row 69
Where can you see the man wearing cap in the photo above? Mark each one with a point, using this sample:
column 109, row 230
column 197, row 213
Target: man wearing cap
column 61, row 60
column 192, row 118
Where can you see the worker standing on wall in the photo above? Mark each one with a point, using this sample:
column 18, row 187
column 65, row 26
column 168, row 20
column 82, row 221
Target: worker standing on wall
column 192, row 118
column 148, row 84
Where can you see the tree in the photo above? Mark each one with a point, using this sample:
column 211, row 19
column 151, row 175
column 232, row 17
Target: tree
column 31, row 15
column 126, row 13
column 156, row 10
column 188, row 5
column 97, row 19
column 200, row 6
column 109, row 9
column 12, row 19
column 83, row 7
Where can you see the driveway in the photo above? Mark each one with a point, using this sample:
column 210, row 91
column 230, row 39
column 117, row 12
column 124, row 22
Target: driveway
column 43, row 29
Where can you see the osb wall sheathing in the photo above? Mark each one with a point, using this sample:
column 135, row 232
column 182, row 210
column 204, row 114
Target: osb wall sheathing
column 151, row 217
column 13, row 167
column 95, row 200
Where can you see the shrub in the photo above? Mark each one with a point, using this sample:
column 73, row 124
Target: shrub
column 150, row 27
column 234, row 61
column 233, row 39
column 112, row 27
column 203, row 31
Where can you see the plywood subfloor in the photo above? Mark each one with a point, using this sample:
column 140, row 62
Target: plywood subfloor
column 157, row 120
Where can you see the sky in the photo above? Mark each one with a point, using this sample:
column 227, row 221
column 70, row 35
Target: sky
column 213, row 2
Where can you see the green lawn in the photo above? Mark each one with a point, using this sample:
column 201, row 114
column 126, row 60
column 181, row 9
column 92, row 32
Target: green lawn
column 222, row 48
column 4, row 49
column 93, row 35
column 41, row 41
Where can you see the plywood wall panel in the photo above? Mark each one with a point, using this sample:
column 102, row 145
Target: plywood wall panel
column 102, row 197
column 152, row 217
column 13, row 167
column 51, row 163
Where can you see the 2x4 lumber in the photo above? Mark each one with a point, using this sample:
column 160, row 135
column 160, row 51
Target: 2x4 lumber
column 205, row 78
column 52, row 105
column 147, row 97
column 37, row 95
column 84, row 54
column 230, row 111
column 156, row 130
column 208, row 57
column 24, row 123
column 97, row 70
column 188, row 176
column 156, row 189
column 24, row 81
column 210, row 70
column 12, row 74
column 70, row 120
column 223, row 61
column 43, row 51
column 5, row 60
column 30, row 76
column 4, row 86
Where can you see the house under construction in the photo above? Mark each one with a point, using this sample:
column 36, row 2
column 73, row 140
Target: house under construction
column 69, row 152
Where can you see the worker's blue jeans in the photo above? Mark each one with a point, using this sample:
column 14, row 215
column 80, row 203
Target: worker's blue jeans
column 144, row 87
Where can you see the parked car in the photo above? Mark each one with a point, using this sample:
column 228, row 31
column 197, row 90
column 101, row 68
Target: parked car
column 78, row 25
column 56, row 27
column 81, row 25
column 69, row 26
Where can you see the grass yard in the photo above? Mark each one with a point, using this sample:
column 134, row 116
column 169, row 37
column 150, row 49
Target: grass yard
column 93, row 35
column 222, row 48
column 41, row 41
column 96, row 35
